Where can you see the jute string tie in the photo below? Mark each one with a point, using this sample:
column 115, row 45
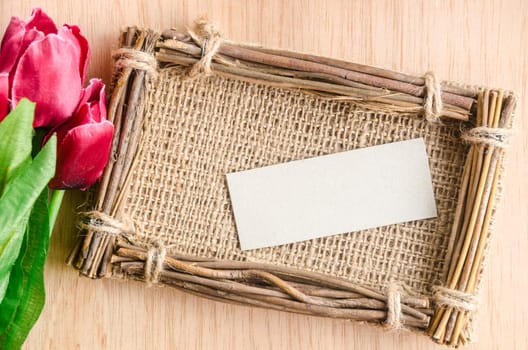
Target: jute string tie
column 456, row 299
column 136, row 59
column 207, row 36
column 497, row 137
column 154, row 262
column 433, row 98
column 394, row 309
column 98, row 222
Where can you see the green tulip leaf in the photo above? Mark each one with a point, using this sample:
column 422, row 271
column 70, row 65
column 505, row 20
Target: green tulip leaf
column 25, row 296
column 9, row 254
column 17, row 201
column 16, row 133
column 3, row 284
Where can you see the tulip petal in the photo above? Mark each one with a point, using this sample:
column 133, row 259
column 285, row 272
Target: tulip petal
column 4, row 95
column 19, row 34
column 82, row 155
column 11, row 44
column 41, row 21
column 15, row 47
column 94, row 95
column 30, row 37
column 98, row 109
column 48, row 75
column 73, row 34
column 91, row 109
column 81, row 117
column 93, row 91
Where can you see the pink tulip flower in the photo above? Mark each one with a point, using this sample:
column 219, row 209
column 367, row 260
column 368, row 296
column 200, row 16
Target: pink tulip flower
column 45, row 64
column 83, row 141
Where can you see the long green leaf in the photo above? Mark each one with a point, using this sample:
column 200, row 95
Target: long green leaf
column 4, row 281
column 24, row 189
column 25, row 295
column 17, row 201
column 23, row 223
column 9, row 253
column 16, row 132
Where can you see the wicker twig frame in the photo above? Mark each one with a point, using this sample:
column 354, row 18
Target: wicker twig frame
column 110, row 246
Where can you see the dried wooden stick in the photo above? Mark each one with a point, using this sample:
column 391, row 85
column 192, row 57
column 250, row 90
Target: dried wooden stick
column 191, row 50
column 308, row 63
column 504, row 120
column 115, row 109
column 389, row 102
column 245, row 270
column 471, row 285
column 455, row 229
column 94, row 250
column 448, row 323
column 399, row 76
column 90, row 245
column 396, row 87
column 485, row 211
column 287, row 295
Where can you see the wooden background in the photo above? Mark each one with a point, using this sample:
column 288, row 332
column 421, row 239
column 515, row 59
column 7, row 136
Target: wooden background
column 478, row 42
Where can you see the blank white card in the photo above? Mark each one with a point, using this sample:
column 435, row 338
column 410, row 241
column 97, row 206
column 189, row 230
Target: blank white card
column 332, row 194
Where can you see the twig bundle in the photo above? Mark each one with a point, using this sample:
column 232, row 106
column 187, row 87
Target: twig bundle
column 374, row 88
column 470, row 230
column 270, row 286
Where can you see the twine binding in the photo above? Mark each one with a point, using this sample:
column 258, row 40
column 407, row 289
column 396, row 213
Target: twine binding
column 99, row 222
column 136, row 59
column 154, row 262
column 496, row 137
column 433, row 98
column 208, row 37
column 394, row 309
column 455, row 299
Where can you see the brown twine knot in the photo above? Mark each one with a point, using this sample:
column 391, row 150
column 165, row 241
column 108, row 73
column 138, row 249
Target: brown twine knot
column 433, row 98
column 96, row 221
column 456, row 299
column 136, row 59
column 394, row 309
column 208, row 37
column 497, row 137
column 154, row 262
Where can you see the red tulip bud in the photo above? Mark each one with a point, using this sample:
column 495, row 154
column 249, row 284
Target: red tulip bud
column 83, row 141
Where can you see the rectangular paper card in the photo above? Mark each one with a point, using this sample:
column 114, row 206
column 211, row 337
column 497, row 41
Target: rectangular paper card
column 332, row 194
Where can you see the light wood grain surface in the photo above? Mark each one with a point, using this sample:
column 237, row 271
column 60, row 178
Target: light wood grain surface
column 478, row 42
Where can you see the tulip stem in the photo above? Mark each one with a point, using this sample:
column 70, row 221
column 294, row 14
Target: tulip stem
column 54, row 206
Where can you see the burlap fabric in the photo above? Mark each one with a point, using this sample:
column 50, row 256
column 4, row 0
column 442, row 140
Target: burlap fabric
column 197, row 131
